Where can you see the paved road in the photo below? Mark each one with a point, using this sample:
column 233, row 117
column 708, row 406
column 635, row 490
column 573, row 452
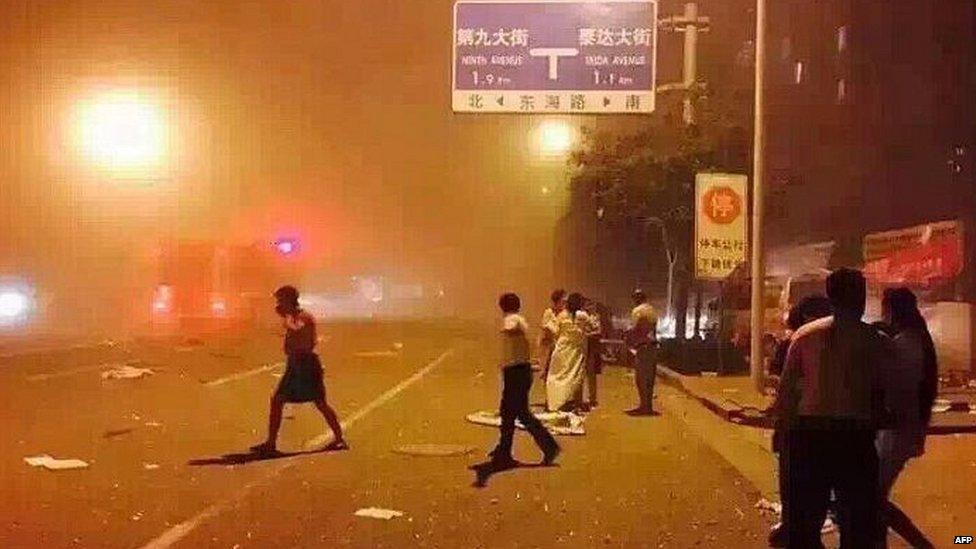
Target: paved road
column 630, row 482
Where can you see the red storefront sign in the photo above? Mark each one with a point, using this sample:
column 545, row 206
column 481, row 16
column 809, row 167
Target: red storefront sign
column 934, row 256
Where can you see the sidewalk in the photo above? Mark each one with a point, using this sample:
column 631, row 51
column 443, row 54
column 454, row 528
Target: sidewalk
column 734, row 399
column 935, row 490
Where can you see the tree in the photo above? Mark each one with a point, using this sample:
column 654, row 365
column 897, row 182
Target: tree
column 646, row 179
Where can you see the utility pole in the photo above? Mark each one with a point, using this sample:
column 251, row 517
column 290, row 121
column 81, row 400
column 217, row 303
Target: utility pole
column 690, row 23
column 758, row 306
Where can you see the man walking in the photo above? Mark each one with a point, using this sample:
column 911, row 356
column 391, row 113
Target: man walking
column 829, row 406
column 516, row 384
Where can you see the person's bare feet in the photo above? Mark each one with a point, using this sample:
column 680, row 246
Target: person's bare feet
column 340, row 444
column 265, row 449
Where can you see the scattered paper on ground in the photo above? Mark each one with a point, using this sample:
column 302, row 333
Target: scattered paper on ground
column 377, row 513
column 54, row 464
column 941, row 406
column 126, row 372
column 770, row 506
column 434, row 450
column 558, row 423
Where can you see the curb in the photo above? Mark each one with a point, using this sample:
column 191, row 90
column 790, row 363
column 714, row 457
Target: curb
column 739, row 415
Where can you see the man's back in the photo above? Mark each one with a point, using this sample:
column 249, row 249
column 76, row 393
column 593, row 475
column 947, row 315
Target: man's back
column 832, row 370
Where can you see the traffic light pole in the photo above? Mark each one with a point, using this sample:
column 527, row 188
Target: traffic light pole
column 758, row 306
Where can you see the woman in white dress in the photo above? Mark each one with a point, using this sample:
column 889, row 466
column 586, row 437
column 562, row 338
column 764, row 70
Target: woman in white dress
column 567, row 366
column 547, row 338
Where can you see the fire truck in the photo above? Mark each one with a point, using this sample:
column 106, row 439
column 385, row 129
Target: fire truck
column 206, row 287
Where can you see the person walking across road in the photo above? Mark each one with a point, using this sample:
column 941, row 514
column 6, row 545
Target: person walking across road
column 516, row 384
column 302, row 381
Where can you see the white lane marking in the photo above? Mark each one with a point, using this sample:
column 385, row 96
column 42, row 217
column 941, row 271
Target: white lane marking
column 243, row 375
column 246, row 374
column 71, row 372
column 179, row 531
column 325, row 438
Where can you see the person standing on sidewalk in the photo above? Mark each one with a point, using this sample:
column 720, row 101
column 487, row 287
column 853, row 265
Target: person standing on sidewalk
column 807, row 310
column 516, row 384
column 830, row 403
column 911, row 384
column 302, row 381
column 642, row 341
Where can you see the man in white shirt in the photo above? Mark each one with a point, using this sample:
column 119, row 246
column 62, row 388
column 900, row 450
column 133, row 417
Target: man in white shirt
column 516, row 384
column 642, row 341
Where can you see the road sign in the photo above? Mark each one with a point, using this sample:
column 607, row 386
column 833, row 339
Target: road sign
column 554, row 56
column 720, row 224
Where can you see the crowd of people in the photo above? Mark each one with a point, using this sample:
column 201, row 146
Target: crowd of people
column 570, row 360
column 853, row 406
column 571, row 350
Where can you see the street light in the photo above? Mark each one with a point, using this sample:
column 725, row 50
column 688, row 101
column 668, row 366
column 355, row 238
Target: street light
column 122, row 131
column 556, row 137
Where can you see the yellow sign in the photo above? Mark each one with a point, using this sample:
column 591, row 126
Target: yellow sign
column 720, row 224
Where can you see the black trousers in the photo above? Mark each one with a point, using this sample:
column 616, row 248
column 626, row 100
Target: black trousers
column 515, row 405
column 819, row 460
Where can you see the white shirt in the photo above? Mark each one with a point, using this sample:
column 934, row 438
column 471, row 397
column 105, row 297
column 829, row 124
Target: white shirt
column 515, row 341
column 643, row 323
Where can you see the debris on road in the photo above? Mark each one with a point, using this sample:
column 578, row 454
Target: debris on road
column 54, row 464
column 153, row 424
column 398, row 346
column 127, row 372
column 434, row 450
column 769, row 506
column 377, row 513
column 558, row 423
column 116, row 433
column 150, row 466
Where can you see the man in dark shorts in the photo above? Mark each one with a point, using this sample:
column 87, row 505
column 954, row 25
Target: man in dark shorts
column 302, row 381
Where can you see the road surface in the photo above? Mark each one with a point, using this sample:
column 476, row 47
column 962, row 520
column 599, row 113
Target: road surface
column 158, row 478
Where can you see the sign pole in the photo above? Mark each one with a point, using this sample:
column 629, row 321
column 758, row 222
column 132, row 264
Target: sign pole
column 758, row 308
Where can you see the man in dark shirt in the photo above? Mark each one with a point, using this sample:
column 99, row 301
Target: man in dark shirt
column 829, row 405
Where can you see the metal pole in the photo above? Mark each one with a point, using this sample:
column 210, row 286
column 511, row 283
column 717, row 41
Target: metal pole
column 758, row 311
column 690, row 69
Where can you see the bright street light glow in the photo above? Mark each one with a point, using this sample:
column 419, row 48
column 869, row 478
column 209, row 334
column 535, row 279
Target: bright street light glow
column 555, row 137
column 14, row 304
column 122, row 131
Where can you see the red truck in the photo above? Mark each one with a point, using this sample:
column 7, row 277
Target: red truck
column 206, row 287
